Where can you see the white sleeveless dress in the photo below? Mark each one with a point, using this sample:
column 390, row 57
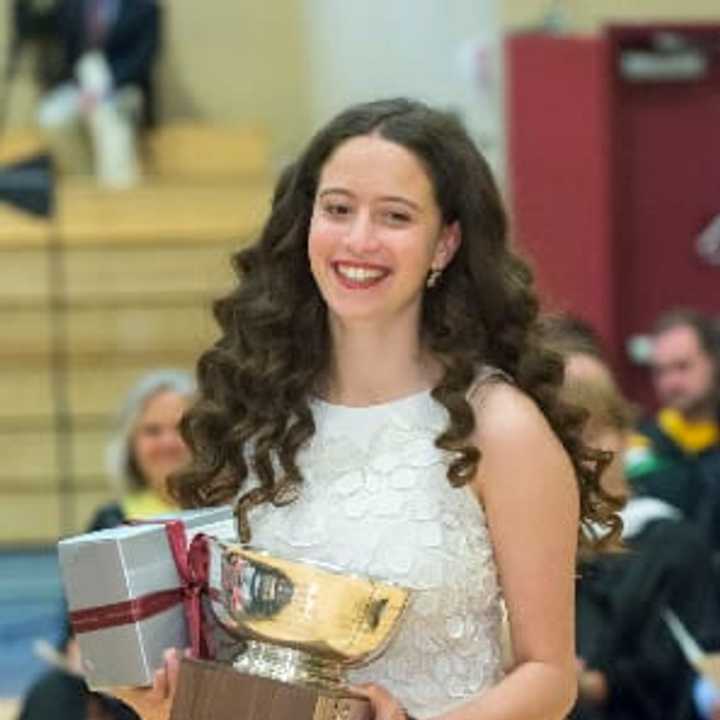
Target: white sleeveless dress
column 376, row 500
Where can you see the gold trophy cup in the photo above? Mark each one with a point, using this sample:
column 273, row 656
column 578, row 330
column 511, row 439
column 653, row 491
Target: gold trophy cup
column 297, row 628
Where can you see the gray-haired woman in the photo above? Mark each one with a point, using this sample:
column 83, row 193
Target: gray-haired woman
column 147, row 447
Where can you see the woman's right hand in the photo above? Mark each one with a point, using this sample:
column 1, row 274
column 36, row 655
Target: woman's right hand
column 154, row 703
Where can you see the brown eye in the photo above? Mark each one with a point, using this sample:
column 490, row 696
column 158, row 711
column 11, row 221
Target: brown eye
column 337, row 209
column 397, row 217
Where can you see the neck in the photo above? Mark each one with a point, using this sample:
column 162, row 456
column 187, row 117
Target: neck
column 158, row 491
column 375, row 363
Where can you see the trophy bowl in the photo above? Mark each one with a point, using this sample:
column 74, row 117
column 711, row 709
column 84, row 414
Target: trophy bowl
column 300, row 622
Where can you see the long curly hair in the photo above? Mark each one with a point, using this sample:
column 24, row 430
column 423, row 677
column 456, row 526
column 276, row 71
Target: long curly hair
column 256, row 382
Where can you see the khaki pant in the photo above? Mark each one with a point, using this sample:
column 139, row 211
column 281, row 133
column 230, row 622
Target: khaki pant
column 101, row 142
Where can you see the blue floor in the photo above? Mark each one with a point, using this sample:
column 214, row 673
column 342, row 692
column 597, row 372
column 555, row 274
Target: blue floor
column 30, row 608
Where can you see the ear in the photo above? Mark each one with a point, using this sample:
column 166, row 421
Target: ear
column 448, row 244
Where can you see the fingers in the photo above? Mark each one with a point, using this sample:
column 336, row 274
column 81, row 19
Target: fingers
column 384, row 705
column 165, row 678
column 154, row 703
column 172, row 671
column 160, row 688
column 374, row 693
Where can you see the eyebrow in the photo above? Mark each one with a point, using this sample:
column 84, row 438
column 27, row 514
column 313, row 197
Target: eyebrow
column 384, row 198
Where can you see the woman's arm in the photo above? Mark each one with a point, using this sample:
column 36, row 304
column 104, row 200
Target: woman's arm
column 527, row 486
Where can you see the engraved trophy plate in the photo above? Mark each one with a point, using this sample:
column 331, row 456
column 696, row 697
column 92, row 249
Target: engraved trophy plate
column 299, row 627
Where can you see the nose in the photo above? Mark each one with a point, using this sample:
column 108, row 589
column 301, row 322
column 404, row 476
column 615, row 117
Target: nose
column 171, row 439
column 361, row 237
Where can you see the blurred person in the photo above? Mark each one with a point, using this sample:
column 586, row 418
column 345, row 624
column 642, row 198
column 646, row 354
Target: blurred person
column 574, row 339
column 629, row 666
column 147, row 448
column 104, row 90
column 62, row 694
column 675, row 455
column 685, row 365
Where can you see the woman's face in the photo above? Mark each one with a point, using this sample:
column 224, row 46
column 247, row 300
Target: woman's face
column 157, row 446
column 376, row 231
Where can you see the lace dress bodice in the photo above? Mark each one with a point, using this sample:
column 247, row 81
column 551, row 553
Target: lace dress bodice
column 376, row 500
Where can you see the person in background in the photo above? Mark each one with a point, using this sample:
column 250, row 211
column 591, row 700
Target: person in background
column 61, row 692
column 675, row 456
column 629, row 665
column 147, row 448
column 108, row 48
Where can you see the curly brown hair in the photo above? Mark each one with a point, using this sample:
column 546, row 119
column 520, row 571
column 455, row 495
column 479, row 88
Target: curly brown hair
column 256, row 382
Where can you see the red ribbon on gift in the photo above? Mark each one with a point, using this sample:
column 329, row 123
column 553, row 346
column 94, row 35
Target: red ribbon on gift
column 192, row 567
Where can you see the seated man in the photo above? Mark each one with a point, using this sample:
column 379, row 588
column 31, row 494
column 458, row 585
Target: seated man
column 675, row 456
column 108, row 49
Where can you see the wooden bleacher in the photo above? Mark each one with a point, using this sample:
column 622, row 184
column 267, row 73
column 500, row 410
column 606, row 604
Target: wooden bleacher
column 138, row 269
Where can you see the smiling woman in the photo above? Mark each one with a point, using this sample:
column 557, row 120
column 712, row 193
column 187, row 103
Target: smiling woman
column 379, row 400
column 376, row 231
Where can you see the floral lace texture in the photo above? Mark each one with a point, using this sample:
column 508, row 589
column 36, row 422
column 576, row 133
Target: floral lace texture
column 376, row 500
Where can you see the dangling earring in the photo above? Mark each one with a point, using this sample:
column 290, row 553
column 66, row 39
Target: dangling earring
column 433, row 277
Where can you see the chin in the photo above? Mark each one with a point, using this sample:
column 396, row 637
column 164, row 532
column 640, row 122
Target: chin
column 369, row 309
column 354, row 315
column 355, row 308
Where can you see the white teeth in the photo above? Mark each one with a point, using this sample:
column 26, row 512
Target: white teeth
column 359, row 274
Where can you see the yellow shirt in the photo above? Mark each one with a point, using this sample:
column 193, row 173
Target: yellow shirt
column 693, row 437
column 145, row 504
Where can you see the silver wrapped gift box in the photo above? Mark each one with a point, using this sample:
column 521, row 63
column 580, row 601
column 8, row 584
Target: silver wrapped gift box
column 125, row 595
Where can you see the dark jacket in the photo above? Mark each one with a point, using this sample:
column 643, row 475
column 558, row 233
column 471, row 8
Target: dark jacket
column 620, row 627
column 130, row 45
column 109, row 515
column 58, row 695
column 687, row 479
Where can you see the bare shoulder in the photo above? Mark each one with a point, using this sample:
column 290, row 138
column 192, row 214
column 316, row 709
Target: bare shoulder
column 527, row 486
column 505, row 414
column 514, row 437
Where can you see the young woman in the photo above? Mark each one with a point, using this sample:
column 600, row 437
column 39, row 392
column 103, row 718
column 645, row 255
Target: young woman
column 379, row 400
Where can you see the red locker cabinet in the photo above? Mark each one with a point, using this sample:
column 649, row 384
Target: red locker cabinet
column 614, row 169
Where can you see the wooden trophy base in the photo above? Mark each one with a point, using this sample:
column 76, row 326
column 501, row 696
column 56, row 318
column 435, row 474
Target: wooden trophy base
column 210, row 691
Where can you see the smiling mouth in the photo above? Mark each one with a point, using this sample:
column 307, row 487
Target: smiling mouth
column 356, row 276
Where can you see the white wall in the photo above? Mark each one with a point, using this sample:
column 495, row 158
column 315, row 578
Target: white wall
column 365, row 50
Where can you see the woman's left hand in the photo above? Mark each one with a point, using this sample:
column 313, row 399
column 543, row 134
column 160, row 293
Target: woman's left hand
column 384, row 705
column 154, row 703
